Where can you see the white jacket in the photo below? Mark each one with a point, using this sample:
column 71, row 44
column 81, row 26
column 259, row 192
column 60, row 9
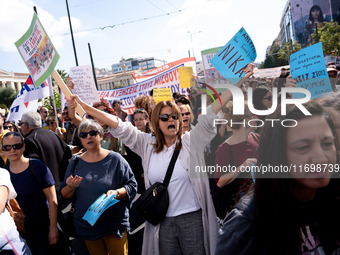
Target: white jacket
column 142, row 144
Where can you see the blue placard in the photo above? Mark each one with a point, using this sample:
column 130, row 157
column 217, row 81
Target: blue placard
column 233, row 58
column 308, row 68
column 98, row 207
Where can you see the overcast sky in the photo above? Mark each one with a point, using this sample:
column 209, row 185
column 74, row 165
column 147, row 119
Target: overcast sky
column 140, row 28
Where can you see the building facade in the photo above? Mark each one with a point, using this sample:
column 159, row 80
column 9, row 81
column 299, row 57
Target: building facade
column 134, row 64
column 116, row 80
column 12, row 80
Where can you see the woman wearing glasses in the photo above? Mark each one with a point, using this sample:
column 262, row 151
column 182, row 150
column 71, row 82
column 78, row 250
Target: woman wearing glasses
column 10, row 126
column 37, row 197
column 190, row 225
column 100, row 171
column 187, row 117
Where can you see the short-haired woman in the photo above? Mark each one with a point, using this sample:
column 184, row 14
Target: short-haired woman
column 100, row 171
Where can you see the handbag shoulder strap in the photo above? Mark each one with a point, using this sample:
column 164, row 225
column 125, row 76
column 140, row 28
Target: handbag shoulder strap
column 170, row 168
column 75, row 164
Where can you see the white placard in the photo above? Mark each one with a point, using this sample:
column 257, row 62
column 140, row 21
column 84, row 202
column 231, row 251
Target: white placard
column 84, row 85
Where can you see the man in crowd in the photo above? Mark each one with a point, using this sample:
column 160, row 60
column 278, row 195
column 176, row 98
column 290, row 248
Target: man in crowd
column 45, row 146
column 71, row 134
column 43, row 113
column 117, row 106
column 333, row 76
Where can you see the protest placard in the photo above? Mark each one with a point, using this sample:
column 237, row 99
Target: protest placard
column 185, row 76
column 66, row 91
column 161, row 69
column 268, row 72
column 211, row 75
column 84, row 85
column 37, row 51
column 166, row 79
column 308, row 68
column 234, row 57
column 162, row 94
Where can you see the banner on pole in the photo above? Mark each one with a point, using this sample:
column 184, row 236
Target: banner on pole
column 27, row 99
column 37, row 51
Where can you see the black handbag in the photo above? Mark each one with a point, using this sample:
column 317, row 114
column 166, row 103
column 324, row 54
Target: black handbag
column 153, row 204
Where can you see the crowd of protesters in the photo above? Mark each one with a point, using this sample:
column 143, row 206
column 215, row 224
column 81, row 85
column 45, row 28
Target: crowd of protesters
column 230, row 212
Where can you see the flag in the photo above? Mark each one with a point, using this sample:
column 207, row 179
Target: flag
column 27, row 99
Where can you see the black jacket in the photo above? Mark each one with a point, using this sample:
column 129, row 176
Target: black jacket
column 49, row 148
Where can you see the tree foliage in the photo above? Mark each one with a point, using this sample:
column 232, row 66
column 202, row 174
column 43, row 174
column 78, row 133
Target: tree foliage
column 56, row 91
column 278, row 56
column 7, row 96
column 329, row 35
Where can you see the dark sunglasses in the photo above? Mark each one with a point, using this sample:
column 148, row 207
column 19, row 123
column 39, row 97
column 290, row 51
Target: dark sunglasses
column 16, row 146
column 268, row 98
column 186, row 113
column 21, row 123
column 8, row 127
column 166, row 117
column 91, row 133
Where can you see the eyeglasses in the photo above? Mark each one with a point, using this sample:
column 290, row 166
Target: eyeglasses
column 166, row 117
column 268, row 98
column 16, row 146
column 91, row 133
column 186, row 114
column 44, row 112
column 8, row 127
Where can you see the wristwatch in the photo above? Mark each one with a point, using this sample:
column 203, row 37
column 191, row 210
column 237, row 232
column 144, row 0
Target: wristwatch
column 117, row 196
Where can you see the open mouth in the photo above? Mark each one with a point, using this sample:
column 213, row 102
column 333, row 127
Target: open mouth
column 185, row 120
column 170, row 127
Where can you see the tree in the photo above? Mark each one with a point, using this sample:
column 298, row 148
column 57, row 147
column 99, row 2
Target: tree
column 7, row 96
column 288, row 49
column 56, row 91
column 329, row 35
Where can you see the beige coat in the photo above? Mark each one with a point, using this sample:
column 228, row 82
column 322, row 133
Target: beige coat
column 199, row 137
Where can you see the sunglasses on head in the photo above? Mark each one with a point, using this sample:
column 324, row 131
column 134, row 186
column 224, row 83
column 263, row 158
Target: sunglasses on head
column 91, row 133
column 166, row 117
column 186, row 113
column 16, row 146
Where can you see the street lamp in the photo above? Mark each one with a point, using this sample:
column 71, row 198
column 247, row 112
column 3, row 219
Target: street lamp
column 192, row 46
column 277, row 53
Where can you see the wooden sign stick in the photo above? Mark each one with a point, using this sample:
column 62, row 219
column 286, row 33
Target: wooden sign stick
column 66, row 91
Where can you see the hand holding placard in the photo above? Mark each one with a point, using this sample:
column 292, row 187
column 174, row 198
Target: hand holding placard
column 66, row 91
